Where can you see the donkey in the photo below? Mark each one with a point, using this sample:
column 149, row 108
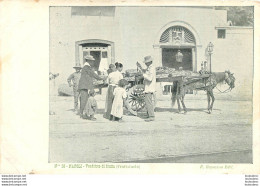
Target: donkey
column 207, row 84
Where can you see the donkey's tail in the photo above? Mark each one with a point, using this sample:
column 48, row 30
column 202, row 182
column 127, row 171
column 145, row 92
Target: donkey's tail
column 174, row 93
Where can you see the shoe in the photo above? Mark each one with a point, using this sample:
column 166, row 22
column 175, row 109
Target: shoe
column 145, row 117
column 84, row 116
column 111, row 118
column 149, row 119
column 92, row 118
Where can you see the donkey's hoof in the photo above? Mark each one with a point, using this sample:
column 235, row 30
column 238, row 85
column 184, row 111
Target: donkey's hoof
column 209, row 111
column 185, row 112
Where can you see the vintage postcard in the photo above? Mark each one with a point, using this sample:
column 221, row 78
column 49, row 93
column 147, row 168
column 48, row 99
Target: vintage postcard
column 133, row 87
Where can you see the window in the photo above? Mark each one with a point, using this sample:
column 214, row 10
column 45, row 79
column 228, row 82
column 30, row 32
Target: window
column 104, row 54
column 221, row 33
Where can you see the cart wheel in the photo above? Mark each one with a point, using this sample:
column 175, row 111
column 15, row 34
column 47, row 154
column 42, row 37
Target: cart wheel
column 136, row 97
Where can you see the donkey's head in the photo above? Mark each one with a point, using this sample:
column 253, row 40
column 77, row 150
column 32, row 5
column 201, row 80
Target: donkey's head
column 230, row 79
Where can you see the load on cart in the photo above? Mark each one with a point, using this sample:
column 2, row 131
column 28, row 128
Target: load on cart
column 182, row 81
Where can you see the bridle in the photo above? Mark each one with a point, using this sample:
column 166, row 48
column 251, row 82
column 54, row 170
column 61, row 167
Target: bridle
column 231, row 80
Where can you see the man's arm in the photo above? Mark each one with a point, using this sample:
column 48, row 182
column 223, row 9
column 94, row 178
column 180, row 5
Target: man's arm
column 94, row 75
column 149, row 75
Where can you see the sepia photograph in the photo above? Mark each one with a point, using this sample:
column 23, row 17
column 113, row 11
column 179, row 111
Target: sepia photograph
column 151, row 84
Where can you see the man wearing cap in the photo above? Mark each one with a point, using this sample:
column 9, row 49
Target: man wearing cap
column 74, row 77
column 86, row 82
column 149, row 75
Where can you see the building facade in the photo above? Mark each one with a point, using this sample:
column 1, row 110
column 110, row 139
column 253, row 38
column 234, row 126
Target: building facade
column 127, row 34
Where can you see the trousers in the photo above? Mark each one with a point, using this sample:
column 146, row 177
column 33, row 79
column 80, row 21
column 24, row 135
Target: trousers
column 149, row 104
column 83, row 100
column 76, row 98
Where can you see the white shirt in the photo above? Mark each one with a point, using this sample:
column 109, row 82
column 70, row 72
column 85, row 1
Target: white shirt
column 86, row 64
column 150, row 79
column 114, row 77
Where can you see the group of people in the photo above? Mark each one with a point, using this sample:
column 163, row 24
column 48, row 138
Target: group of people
column 116, row 98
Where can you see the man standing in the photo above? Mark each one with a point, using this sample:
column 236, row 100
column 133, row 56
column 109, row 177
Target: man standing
column 74, row 77
column 86, row 82
column 149, row 86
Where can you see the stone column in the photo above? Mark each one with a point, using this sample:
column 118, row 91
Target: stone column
column 109, row 54
column 194, row 62
column 157, row 55
column 76, row 53
column 80, row 55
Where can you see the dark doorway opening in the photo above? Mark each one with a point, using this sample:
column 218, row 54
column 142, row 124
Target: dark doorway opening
column 169, row 58
column 97, row 57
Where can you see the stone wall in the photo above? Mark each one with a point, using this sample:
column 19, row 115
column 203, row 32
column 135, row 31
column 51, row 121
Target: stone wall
column 135, row 32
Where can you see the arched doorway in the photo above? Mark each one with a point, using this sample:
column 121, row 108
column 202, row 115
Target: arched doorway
column 174, row 36
column 164, row 42
column 178, row 48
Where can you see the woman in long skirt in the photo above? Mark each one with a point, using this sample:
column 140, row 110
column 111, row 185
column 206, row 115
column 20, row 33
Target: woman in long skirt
column 113, row 79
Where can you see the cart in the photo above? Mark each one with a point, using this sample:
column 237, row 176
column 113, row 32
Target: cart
column 136, row 88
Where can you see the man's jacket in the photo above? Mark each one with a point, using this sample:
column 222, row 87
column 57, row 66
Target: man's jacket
column 86, row 78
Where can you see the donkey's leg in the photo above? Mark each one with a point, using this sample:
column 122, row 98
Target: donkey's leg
column 212, row 99
column 178, row 98
column 208, row 96
column 183, row 105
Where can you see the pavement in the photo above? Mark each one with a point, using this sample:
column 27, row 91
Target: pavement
column 225, row 136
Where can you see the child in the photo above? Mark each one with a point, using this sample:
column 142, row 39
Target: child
column 91, row 106
column 119, row 99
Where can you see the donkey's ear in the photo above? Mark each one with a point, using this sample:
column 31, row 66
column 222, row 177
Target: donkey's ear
column 232, row 74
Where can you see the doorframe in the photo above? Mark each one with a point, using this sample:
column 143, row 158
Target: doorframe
column 78, row 48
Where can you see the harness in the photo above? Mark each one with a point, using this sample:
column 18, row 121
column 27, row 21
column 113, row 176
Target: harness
column 225, row 91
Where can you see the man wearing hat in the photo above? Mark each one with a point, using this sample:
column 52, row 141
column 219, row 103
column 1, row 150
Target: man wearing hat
column 86, row 82
column 149, row 75
column 74, row 77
